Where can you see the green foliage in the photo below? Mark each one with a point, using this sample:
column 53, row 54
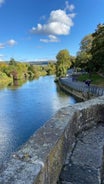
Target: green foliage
column 12, row 62
column 3, row 66
column 84, row 55
column 91, row 54
column 97, row 49
column 94, row 77
column 50, row 68
column 4, row 79
column 72, row 60
column 63, row 63
column 17, row 71
column 35, row 71
column 86, row 43
column 21, row 71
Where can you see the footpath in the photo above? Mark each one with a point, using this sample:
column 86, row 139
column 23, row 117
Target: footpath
column 85, row 164
column 82, row 87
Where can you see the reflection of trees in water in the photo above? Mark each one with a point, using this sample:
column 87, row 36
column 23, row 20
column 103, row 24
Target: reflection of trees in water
column 16, row 84
column 60, row 91
column 33, row 78
column 64, row 93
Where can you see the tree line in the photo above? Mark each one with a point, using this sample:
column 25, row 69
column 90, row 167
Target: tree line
column 14, row 70
column 90, row 56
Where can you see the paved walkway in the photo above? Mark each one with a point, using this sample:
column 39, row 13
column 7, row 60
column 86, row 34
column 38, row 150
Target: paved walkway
column 84, row 166
column 81, row 86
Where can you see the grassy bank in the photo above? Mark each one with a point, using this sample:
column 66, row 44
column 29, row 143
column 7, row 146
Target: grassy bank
column 95, row 78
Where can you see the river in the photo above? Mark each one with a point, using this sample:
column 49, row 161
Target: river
column 26, row 108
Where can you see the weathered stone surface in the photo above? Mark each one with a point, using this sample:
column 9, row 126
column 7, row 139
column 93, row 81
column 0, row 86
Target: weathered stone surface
column 76, row 174
column 20, row 172
column 89, row 148
column 40, row 160
column 85, row 163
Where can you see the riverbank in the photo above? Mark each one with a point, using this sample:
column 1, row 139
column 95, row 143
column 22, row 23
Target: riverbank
column 96, row 79
column 4, row 79
column 80, row 89
column 14, row 71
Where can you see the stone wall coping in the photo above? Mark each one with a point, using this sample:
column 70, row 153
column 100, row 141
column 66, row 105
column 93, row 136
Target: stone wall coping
column 40, row 159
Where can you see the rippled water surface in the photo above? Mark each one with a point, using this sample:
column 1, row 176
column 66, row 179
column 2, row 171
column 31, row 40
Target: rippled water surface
column 24, row 109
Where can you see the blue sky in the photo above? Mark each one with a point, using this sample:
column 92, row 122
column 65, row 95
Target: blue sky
column 38, row 29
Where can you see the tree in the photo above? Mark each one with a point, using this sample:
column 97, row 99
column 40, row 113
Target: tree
column 72, row 60
column 12, row 61
column 84, row 55
column 63, row 63
column 86, row 43
column 51, row 68
column 97, row 49
column 3, row 66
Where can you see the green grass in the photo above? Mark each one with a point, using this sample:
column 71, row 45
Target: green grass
column 96, row 79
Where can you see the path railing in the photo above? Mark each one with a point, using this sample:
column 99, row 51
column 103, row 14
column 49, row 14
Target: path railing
column 82, row 87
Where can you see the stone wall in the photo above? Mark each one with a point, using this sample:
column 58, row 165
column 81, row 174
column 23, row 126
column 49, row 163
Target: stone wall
column 80, row 89
column 40, row 160
column 72, row 91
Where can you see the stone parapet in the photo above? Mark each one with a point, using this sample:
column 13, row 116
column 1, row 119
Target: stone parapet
column 40, row 160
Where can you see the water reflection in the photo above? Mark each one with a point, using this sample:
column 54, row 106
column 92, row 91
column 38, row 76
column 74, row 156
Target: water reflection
column 25, row 109
column 16, row 84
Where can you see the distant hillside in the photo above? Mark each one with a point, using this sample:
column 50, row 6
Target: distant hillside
column 40, row 62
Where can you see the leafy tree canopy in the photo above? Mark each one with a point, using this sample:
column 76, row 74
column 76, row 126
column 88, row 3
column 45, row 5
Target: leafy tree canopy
column 91, row 54
column 86, row 43
column 97, row 49
column 84, row 55
column 12, row 61
column 63, row 62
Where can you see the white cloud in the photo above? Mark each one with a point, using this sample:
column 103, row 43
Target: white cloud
column 72, row 15
column 51, row 38
column 69, row 7
column 11, row 42
column 59, row 23
column 43, row 17
column 1, row 2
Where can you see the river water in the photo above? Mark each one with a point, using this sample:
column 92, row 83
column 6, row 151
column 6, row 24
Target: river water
column 24, row 109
